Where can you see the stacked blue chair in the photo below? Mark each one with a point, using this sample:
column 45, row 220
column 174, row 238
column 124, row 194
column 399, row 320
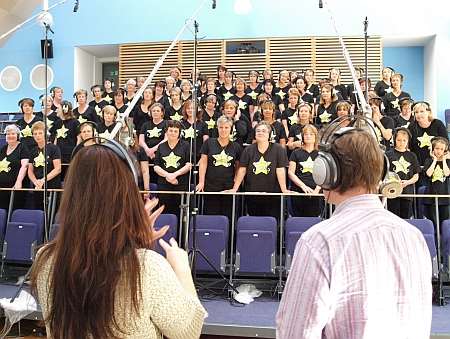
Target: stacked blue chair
column 256, row 245
column 212, row 241
column 420, row 204
column 445, row 230
column 3, row 217
column 163, row 220
column 23, row 234
column 427, row 228
column 294, row 228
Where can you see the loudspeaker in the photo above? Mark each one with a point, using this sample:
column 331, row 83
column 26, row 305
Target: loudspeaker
column 49, row 49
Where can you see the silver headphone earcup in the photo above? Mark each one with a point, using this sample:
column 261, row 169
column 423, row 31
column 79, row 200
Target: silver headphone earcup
column 325, row 171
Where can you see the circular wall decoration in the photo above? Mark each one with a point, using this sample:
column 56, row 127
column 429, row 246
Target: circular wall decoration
column 37, row 76
column 10, row 78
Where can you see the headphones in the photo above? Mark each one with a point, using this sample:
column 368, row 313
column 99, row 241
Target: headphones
column 402, row 129
column 441, row 140
column 129, row 159
column 21, row 102
column 88, row 122
column 327, row 169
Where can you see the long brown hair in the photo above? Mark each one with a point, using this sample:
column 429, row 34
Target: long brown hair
column 102, row 222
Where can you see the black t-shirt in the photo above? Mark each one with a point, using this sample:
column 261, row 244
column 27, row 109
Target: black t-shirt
column 261, row 167
column 313, row 90
column 66, row 132
column 25, row 131
column 51, row 118
column 173, row 114
column 221, row 162
column 211, row 123
column 108, row 97
column 282, row 94
column 88, row 115
column 291, row 116
column 296, row 132
column 438, row 182
column 304, row 163
column 153, row 133
column 244, row 104
column 254, row 92
column 171, row 160
column 325, row 115
column 307, row 97
column 10, row 164
column 388, row 123
column 402, row 122
column 225, row 93
column 405, row 164
column 391, row 103
column 140, row 117
column 382, row 88
column 422, row 137
column 98, row 106
column 37, row 160
column 105, row 131
column 342, row 90
column 241, row 131
column 122, row 110
column 188, row 133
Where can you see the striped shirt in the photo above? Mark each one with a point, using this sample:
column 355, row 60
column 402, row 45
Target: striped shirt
column 363, row 273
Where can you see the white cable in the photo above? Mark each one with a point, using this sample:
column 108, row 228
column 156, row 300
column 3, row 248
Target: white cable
column 155, row 69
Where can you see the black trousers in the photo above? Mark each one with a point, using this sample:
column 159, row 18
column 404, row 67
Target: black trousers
column 305, row 206
column 401, row 207
column 263, row 206
column 220, row 204
column 430, row 213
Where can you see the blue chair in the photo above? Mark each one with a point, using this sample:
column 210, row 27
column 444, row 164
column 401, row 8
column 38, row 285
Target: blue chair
column 294, row 228
column 256, row 244
column 3, row 216
column 427, row 228
column 212, row 241
column 445, row 231
column 163, row 220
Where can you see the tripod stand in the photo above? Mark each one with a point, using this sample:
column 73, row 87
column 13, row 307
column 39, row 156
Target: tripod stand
column 194, row 209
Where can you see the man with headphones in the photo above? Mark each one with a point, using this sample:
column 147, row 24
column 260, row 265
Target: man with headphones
column 364, row 272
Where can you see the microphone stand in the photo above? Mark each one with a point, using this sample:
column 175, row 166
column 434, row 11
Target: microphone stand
column 194, row 210
column 366, row 63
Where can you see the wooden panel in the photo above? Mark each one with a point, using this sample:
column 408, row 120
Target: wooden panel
column 329, row 54
column 241, row 64
column 209, row 55
column 293, row 54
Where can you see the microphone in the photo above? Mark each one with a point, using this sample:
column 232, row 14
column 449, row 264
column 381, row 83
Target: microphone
column 214, row 4
column 320, row 4
column 76, row 6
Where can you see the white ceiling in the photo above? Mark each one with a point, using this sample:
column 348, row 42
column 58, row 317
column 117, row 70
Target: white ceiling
column 102, row 51
column 14, row 12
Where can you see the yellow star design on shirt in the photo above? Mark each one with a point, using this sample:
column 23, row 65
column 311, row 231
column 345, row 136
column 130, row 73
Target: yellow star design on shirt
column 438, row 174
column 281, row 94
column 425, row 140
column 401, row 165
column 26, row 132
column 4, row 165
column 81, row 119
column 227, row 95
column 307, row 165
column 106, row 134
column 98, row 110
column 188, row 133
column 107, row 98
column 172, row 160
column 211, row 123
column 176, row 117
column 242, row 105
column 261, row 166
column 293, row 119
column 253, row 95
column 49, row 123
column 62, row 132
column 155, row 132
column 325, row 117
column 222, row 159
column 395, row 103
column 378, row 133
column 39, row 160
column 233, row 135
column 272, row 137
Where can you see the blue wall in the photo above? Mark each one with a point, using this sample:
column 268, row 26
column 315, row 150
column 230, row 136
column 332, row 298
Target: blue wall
column 409, row 62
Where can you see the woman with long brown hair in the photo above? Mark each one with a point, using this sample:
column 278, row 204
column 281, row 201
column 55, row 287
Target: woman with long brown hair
column 99, row 278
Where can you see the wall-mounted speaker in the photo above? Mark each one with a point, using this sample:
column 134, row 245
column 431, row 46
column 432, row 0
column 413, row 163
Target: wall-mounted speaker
column 47, row 49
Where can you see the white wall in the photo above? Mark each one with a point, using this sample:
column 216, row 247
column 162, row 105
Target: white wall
column 84, row 70
column 430, row 72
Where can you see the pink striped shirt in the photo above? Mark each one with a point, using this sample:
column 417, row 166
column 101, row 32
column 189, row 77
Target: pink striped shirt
column 363, row 273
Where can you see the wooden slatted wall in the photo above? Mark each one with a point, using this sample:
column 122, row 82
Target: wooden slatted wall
column 292, row 54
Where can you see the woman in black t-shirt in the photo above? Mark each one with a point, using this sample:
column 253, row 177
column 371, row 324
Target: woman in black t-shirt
column 311, row 87
column 383, row 125
column 254, row 87
column 281, row 91
column 437, row 170
column 52, row 116
column 84, row 112
column 277, row 133
column 218, row 162
column 108, row 93
column 326, row 110
column 188, row 133
column 226, row 90
column 241, row 129
column 29, row 118
column 300, row 173
column 295, row 132
column 13, row 167
column 305, row 96
column 263, row 164
column 244, row 101
column 37, row 161
column 335, row 77
column 98, row 102
column 141, row 112
column 172, row 166
column 391, row 100
column 210, row 115
column 290, row 115
column 405, row 164
column 153, row 131
column 405, row 118
column 383, row 86
column 109, row 117
column 66, row 132
column 173, row 112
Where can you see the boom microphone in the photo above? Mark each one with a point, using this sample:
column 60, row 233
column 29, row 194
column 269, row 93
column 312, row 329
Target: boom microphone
column 320, row 4
column 214, row 4
column 76, row 6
